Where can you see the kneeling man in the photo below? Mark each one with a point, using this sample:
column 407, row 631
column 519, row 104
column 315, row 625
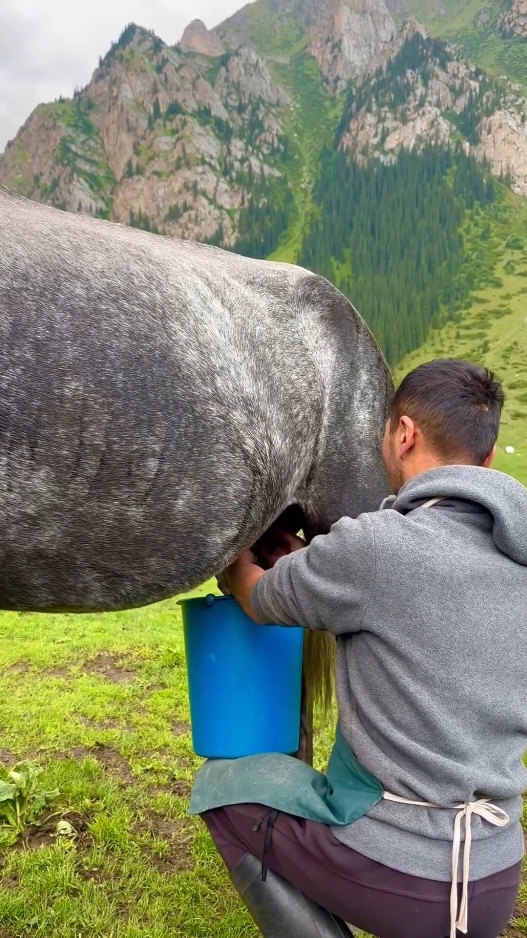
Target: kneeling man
column 427, row 599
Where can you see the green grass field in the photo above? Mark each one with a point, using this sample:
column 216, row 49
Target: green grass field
column 101, row 703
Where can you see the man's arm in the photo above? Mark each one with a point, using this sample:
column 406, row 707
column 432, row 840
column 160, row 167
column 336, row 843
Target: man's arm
column 324, row 586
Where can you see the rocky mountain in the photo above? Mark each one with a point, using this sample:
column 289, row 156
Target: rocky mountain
column 220, row 135
column 183, row 139
column 162, row 138
column 197, row 38
column 426, row 94
column 348, row 39
column 512, row 21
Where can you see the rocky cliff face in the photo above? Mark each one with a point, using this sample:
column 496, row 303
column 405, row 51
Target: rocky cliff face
column 197, row 38
column 160, row 138
column 350, row 38
column 512, row 23
column 263, row 23
column 503, row 144
column 345, row 37
column 425, row 94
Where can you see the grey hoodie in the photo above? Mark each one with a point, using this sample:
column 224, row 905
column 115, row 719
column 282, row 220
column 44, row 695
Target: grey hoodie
column 429, row 606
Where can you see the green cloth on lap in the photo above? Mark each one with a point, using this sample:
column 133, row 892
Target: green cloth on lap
column 343, row 795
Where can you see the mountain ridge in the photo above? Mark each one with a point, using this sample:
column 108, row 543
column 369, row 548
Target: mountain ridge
column 208, row 75
column 221, row 137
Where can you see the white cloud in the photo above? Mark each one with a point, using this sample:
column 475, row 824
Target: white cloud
column 49, row 47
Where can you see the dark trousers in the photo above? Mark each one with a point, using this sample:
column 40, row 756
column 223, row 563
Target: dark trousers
column 367, row 894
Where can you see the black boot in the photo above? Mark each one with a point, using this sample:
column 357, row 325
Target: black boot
column 280, row 910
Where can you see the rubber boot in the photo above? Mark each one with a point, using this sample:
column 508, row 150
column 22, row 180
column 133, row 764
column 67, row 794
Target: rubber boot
column 280, row 910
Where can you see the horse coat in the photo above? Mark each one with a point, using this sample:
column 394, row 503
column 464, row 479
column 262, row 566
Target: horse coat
column 161, row 403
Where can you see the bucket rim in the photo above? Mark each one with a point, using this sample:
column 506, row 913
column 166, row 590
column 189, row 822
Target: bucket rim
column 209, row 599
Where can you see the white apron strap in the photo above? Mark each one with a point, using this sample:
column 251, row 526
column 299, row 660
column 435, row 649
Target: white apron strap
column 484, row 809
column 432, row 501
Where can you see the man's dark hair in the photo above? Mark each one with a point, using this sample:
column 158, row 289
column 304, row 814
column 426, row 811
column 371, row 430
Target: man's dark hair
column 456, row 405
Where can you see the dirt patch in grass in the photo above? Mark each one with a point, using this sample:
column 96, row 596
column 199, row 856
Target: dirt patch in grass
column 22, row 667
column 93, row 875
column 106, row 725
column 10, row 882
column 180, row 728
column 19, row 667
column 112, row 762
column 184, row 762
column 178, row 835
column 112, row 668
column 8, row 758
column 181, row 788
column 45, row 834
column 520, row 912
column 63, row 673
column 107, row 757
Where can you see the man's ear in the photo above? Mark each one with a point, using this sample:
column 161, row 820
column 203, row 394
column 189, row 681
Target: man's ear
column 490, row 458
column 405, row 436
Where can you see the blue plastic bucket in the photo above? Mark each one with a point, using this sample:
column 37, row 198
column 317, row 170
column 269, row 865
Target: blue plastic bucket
column 244, row 680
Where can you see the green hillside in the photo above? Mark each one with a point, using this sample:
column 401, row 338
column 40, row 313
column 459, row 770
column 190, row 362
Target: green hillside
column 428, row 243
column 397, row 239
column 409, row 238
column 478, row 36
column 310, row 126
column 493, row 330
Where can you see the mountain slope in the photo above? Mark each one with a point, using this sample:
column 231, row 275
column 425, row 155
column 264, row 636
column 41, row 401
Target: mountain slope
column 493, row 329
column 489, row 32
column 171, row 137
column 182, row 139
column 317, row 131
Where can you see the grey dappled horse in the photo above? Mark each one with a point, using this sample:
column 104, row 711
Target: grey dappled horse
column 161, row 403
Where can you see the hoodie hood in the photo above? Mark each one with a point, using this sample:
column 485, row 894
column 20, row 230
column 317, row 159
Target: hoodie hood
column 502, row 496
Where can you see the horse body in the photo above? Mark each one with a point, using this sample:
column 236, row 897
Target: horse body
column 161, row 403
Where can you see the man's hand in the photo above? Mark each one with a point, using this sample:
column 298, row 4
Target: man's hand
column 239, row 579
column 229, row 578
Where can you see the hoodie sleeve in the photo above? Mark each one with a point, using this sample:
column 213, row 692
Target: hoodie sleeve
column 326, row 586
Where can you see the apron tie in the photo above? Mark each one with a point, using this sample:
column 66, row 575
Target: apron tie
column 270, row 817
column 484, row 809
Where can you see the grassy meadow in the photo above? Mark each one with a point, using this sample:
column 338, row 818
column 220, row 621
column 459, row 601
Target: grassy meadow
column 493, row 330
column 100, row 702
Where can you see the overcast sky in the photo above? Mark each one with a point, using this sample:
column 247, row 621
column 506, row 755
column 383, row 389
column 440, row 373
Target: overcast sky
column 48, row 47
